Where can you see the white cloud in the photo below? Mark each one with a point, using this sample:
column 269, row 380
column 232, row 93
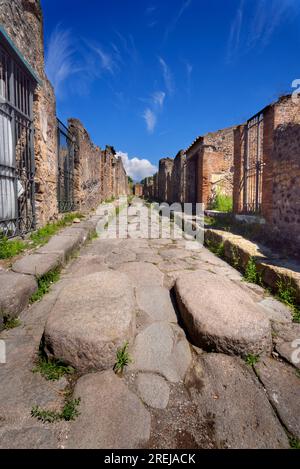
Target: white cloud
column 137, row 168
column 59, row 62
column 159, row 98
column 167, row 75
column 150, row 119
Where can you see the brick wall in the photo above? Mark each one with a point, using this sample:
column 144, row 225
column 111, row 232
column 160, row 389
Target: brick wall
column 23, row 22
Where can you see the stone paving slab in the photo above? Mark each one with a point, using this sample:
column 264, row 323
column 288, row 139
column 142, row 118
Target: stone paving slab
column 142, row 274
column 156, row 302
column 283, row 387
column 153, row 390
column 64, row 245
column 227, row 391
column 37, row 264
column 158, row 350
column 16, row 289
column 111, row 416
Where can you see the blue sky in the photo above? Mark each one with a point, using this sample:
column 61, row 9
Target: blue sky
column 148, row 76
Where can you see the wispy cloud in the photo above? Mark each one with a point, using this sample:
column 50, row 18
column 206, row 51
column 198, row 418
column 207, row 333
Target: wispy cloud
column 235, row 33
column 255, row 24
column 107, row 61
column 150, row 118
column 59, row 60
column 129, row 47
column 137, row 168
column 189, row 71
column 150, row 10
column 159, row 98
column 173, row 23
column 167, row 75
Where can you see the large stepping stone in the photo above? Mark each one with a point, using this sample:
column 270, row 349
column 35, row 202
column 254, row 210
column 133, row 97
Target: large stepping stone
column 142, row 274
column 156, row 303
column 15, row 292
column 92, row 317
column 220, row 316
column 283, row 387
column 227, row 393
column 111, row 416
column 162, row 349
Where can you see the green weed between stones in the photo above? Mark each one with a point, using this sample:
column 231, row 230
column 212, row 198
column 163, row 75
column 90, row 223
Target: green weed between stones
column 123, row 359
column 10, row 323
column 44, row 284
column 251, row 274
column 294, row 443
column 69, row 412
column 52, row 370
column 286, row 293
column 251, row 359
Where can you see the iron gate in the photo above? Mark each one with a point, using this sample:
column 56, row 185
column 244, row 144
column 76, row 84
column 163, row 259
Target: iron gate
column 253, row 166
column 17, row 207
column 66, row 152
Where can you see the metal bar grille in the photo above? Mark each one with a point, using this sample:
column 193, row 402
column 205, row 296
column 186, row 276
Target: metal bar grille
column 253, row 166
column 66, row 151
column 17, row 211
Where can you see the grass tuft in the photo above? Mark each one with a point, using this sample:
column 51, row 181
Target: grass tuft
column 52, row 370
column 123, row 359
column 287, row 294
column 10, row 323
column 11, row 248
column 251, row 274
column 251, row 359
column 294, row 443
column 69, row 412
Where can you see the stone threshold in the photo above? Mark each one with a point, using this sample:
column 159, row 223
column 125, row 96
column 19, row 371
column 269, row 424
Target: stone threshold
column 272, row 267
column 20, row 282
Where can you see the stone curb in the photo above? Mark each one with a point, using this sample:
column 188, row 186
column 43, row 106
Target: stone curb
column 272, row 268
column 19, row 284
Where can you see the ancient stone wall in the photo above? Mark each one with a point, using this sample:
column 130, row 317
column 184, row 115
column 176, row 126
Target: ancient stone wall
column 282, row 189
column 23, row 22
column 177, row 178
column 87, row 168
column 165, row 180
